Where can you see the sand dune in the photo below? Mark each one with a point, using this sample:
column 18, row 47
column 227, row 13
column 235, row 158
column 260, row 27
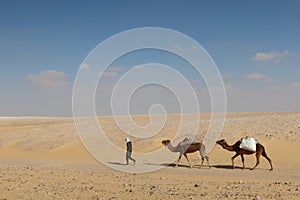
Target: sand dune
column 43, row 158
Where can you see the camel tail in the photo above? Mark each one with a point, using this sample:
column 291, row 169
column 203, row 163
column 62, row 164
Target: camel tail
column 264, row 153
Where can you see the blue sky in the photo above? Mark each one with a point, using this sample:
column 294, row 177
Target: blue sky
column 255, row 44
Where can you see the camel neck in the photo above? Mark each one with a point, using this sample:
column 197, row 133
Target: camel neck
column 228, row 147
column 171, row 148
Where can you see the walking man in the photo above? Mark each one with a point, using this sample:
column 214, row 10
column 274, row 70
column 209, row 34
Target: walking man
column 128, row 151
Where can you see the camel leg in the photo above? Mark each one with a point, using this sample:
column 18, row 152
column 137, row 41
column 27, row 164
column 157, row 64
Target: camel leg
column 232, row 159
column 243, row 161
column 202, row 160
column 201, row 151
column 178, row 160
column 264, row 154
column 257, row 161
column 207, row 159
column 187, row 160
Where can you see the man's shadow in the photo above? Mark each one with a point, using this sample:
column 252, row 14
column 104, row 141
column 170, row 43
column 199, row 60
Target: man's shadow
column 117, row 163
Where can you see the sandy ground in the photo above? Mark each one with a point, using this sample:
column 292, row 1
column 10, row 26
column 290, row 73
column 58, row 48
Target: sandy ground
column 43, row 158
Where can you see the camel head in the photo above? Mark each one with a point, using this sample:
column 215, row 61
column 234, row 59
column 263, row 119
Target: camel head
column 165, row 142
column 221, row 142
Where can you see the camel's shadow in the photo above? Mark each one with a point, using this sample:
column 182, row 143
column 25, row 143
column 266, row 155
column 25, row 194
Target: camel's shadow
column 229, row 167
column 198, row 166
column 226, row 167
column 173, row 165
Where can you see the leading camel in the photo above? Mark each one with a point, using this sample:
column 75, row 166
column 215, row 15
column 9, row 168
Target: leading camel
column 184, row 148
column 260, row 150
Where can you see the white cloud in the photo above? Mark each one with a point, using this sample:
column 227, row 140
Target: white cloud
column 109, row 74
column 139, row 67
column 85, row 66
column 116, row 69
column 273, row 55
column 228, row 86
column 257, row 76
column 48, row 78
column 295, row 85
column 194, row 48
column 176, row 48
column 228, row 75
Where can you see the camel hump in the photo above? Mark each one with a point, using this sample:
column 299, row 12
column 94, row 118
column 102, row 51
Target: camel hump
column 189, row 141
column 248, row 143
column 195, row 141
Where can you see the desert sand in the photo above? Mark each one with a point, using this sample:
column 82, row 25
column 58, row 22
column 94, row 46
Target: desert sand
column 43, row 158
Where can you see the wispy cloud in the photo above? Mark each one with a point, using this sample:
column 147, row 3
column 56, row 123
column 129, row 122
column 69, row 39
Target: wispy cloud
column 176, row 48
column 85, row 66
column 194, row 48
column 112, row 72
column 257, row 76
column 273, row 55
column 48, row 78
column 109, row 74
column 138, row 67
column 116, row 69
column 228, row 75
column 295, row 85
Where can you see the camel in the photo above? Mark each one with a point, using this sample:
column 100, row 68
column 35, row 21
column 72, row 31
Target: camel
column 185, row 148
column 260, row 150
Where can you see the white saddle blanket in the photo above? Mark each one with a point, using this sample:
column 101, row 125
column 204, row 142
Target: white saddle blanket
column 249, row 144
column 189, row 142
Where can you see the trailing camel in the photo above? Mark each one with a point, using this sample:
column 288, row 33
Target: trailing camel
column 184, row 148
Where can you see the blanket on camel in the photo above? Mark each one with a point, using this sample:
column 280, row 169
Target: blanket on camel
column 248, row 143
